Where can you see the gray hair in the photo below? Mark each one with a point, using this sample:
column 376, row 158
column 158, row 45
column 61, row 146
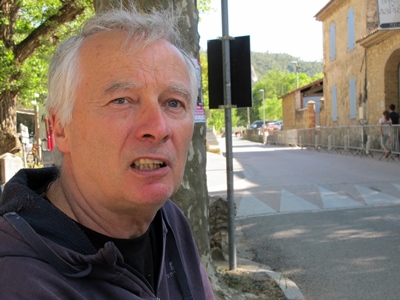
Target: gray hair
column 144, row 29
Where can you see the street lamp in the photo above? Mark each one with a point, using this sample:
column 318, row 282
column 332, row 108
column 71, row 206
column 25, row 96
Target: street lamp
column 262, row 91
column 297, row 68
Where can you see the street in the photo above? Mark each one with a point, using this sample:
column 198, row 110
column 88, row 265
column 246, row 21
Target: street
column 329, row 222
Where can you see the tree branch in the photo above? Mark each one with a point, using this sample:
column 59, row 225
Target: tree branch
column 68, row 12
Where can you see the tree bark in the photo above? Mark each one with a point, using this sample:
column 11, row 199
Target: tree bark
column 9, row 142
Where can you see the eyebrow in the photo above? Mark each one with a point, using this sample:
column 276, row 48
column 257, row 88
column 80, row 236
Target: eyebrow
column 181, row 90
column 123, row 86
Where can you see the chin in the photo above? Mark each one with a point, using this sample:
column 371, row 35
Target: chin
column 156, row 198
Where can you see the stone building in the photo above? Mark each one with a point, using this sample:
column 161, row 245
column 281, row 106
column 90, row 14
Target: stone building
column 361, row 60
column 304, row 107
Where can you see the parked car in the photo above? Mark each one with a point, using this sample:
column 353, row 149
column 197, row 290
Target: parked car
column 279, row 123
column 275, row 125
column 258, row 124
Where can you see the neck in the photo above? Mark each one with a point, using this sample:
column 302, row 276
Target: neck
column 113, row 223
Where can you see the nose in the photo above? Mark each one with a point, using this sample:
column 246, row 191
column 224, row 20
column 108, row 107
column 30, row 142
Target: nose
column 153, row 124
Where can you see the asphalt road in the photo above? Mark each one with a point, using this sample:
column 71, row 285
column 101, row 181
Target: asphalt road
column 343, row 254
column 328, row 221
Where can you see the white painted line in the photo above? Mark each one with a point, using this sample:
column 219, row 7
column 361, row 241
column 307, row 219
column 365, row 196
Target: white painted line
column 291, row 202
column 335, row 200
column 373, row 197
column 250, row 205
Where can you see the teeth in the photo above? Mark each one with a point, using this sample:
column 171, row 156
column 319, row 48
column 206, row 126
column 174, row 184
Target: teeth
column 148, row 164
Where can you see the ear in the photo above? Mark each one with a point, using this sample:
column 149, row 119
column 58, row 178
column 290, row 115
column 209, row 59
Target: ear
column 60, row 137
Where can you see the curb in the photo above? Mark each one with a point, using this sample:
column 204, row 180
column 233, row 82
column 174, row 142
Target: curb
column 288, row 287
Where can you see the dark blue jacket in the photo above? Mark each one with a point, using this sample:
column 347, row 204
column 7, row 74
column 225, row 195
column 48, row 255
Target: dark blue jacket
column 45, row 255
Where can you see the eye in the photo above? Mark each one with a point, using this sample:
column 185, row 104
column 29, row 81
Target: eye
column 120, row 101
column 174, row 103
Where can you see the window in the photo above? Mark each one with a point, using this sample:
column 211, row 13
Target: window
column 332, row 45
column 351, row 29
column 334, row 104
column 352, row 98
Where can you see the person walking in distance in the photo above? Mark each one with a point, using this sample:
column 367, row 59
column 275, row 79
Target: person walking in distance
column 385, row 130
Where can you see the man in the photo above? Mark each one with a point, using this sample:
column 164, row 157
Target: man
column 100, row 225
column 395, row 121
column 393, row 115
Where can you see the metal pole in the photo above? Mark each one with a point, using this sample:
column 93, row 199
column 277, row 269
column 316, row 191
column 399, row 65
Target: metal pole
column 248, row 117
column 37, row 133
column 262, row 91
column 228, row 131
column 263, row 107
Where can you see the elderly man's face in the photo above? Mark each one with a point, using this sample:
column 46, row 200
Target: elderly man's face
column 132, row 122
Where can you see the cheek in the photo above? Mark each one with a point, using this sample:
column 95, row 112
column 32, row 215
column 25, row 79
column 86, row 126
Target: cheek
column 79, row 132
column 87, row 135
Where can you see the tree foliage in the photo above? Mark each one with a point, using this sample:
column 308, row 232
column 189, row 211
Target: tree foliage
column 263, row 62
column 203, row 6
column 39, row 25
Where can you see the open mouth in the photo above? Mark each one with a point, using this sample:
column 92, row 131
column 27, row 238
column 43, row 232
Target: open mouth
column 148, row 164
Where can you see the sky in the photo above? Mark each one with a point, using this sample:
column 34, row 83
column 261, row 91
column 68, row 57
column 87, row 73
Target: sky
column 274, row 26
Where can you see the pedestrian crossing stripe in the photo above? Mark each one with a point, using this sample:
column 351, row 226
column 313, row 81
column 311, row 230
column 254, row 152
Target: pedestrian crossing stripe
column 397, row 186
column 335, row 200
column 291, row 202
column 250, row 205
column 373, row 197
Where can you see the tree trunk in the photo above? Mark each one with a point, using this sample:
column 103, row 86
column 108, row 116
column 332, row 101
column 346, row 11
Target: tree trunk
column 192, row 196
column 9, row 142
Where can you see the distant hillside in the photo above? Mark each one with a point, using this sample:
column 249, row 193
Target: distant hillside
column 262, row 62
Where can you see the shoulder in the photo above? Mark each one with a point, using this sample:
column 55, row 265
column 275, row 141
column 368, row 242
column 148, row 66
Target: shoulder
column 34, row 279
column 177, row 222
column 12, row 244
column 29, row 272
column 173, row 214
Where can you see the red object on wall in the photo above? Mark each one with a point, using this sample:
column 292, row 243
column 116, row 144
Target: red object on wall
column 49, row 134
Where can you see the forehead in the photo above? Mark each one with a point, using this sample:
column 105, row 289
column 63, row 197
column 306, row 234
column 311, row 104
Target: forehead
column 114, row 49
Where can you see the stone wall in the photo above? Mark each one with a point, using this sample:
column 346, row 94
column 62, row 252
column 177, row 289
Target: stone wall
column 219, row 230
column 289, row 111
